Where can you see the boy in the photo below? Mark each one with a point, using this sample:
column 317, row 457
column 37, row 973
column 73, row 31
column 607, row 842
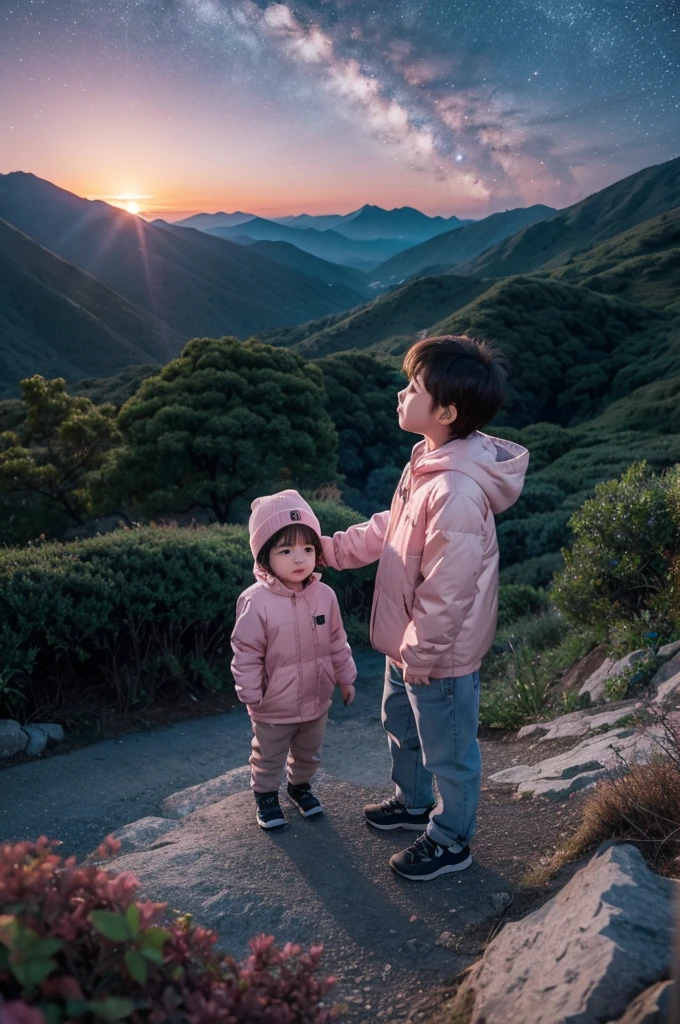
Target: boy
column 436, row 594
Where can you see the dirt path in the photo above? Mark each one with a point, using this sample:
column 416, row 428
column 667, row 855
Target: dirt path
column 324, row 880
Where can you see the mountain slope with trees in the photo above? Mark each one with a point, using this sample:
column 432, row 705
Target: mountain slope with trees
column 59, row 321
column 614, row 209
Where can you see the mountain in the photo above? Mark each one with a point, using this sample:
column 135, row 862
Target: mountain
column 402, row 223
column 327, row 245
column 304, row 220
column 614, row 209
column 639, row 265
column 195, row 282
column 60, row 322
column 204, row 221
column 457, row 246
column 390, row 318
column 331, row 273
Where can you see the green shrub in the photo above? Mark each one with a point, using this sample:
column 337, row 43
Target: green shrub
column 515, row 601
column 627, row 539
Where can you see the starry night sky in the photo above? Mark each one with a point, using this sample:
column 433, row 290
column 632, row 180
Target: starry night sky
column 452, row 107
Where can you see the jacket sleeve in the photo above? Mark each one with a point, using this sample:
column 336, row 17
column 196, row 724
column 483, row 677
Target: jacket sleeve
column 357, row 546
column 341, row 654
column 248, row 642
column 450, row 566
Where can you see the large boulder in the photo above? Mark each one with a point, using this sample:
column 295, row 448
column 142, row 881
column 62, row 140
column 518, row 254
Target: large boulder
column 583, row 956
column 610, row 667
column 13, row 739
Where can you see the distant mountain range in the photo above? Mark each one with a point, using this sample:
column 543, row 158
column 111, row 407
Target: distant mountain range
column 366, row 223
column 450, row 248
column 291, row 256
column 326, row 245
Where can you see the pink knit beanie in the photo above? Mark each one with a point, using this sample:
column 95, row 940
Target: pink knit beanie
column 270, row 514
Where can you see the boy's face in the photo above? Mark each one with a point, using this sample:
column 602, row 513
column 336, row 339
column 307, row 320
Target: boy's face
column 416, row 414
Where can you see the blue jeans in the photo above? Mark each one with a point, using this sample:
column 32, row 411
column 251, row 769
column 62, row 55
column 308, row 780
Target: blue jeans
column 432, row 732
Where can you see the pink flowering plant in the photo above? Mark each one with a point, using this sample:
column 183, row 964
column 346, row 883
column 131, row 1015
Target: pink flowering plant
column 77, row 946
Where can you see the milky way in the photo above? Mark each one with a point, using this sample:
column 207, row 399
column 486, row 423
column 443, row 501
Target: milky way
column 471, row 106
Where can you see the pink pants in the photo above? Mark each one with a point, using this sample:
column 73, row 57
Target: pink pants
column 297, row 745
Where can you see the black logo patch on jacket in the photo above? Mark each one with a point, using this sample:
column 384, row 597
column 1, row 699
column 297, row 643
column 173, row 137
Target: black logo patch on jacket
column 295, row 516
column 320, row 620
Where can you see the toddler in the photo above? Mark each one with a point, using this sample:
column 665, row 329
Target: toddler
column 290, row 651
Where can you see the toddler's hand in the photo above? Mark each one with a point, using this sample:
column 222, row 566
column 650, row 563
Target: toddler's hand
column 415, row 678
column 347, row 694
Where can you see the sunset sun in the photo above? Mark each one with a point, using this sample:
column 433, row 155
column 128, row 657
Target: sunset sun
column 132, row 206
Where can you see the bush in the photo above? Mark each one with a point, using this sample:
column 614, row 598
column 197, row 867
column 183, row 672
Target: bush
column 125, row 615
column 77, row 946
column 621, row 566
column 515, row 601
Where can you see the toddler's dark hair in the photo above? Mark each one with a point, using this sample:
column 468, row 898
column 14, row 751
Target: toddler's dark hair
column 296, row 533
column 461, row 371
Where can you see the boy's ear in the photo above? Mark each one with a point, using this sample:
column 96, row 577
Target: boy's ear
column 448, row 414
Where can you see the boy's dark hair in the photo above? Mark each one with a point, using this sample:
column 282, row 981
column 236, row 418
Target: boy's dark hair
column 296, row 533
column 461, row 371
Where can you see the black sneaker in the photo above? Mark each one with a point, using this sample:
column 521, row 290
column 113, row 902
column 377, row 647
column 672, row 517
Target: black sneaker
column 304, row 800
column 426, row 859
column 392, row 814
column 269, row 813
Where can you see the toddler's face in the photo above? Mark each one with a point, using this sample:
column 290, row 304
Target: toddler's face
column 293, row 563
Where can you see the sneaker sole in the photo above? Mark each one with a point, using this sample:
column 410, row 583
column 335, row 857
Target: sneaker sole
column 276, row 823
column 306, row 814
column 446, row 870
column 390, row 828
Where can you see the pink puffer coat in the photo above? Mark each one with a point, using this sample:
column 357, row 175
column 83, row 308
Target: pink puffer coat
column 436, row 591
column 290, row 650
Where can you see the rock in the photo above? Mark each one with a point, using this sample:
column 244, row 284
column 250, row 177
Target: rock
column 37, row 740
column 142, row 834
column 666, row 671
column 588, row 761
column 667, row 689
column 53, row 731
column 518, row 773
column 668, row 650
column 13, row 739
column 562, row 730
column 94, row 527
column 651, row 1007
column 584, row 955
column 501, row 900
column 446, row 939
column 594, row 684
column 177, row 805
column 531, row 730
column 560, row 789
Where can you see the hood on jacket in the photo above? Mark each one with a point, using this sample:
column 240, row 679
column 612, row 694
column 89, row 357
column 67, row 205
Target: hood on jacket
column 497, row 465
column 273, row 512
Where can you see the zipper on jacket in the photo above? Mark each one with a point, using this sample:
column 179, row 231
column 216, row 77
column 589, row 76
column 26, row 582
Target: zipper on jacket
column 298, row 651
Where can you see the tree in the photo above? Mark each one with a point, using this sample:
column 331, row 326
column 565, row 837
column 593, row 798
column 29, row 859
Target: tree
column 46, row 464
column 623, row 566
column 362, row 401
column 225, row 420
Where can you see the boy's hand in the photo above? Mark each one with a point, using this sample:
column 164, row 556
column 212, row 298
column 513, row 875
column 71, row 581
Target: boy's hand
column 347, row 694
column 415, row 678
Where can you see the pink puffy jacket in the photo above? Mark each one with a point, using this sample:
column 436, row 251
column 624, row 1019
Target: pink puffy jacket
column 290, row 650
column 436, row 590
